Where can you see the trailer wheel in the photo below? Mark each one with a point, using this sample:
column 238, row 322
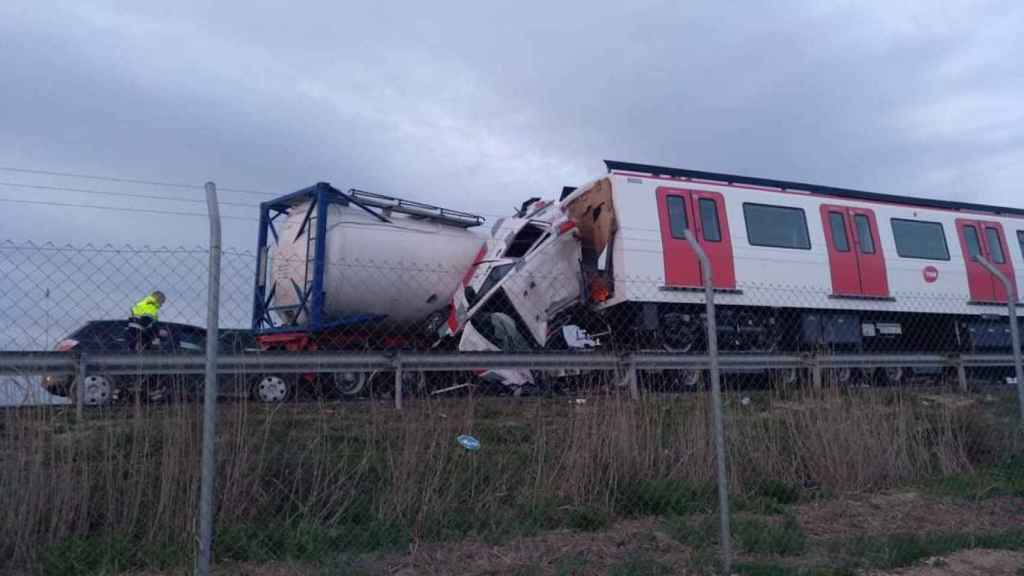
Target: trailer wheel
column 345, row 384
column 273, row 389
column 414, row 382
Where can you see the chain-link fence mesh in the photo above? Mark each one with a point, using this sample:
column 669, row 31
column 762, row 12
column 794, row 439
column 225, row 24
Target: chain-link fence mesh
column 316, row 467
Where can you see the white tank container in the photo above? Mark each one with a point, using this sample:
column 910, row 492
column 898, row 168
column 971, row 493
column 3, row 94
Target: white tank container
column 404, row 269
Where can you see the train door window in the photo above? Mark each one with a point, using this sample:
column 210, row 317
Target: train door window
column 711, row 230
column 776, row 226
column 973, row 242
column 678, row 222
column 920, row 239
column 837, row 222
column 865, row 239
column 995, row 246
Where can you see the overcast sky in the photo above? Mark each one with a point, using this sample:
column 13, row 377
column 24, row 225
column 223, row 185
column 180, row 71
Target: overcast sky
column 477, row 105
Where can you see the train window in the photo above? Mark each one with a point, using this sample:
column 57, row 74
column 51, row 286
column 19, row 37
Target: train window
column 973, row 242
column 865, row 240
column 995, row 246
column 837, row 222
column 776, row 226
column 677, row 220
column 920, row 239
column 1020, row 240
column 712, row 232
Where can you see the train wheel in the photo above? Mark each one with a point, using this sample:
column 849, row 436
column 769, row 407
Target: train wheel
column 686, row 379
column 892, row 376
column 273, row 389
column 789, row 377
column 843, row 376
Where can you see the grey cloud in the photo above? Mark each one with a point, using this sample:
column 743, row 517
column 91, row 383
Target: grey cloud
column 477, row 106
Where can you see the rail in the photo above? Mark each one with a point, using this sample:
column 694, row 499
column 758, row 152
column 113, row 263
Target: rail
column 28, row 363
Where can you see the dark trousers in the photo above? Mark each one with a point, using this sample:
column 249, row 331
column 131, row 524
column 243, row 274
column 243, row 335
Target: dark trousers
column 140, row 332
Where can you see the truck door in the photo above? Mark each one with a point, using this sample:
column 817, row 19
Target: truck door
column 855, row 255
column 984, row 238
column 703, row 213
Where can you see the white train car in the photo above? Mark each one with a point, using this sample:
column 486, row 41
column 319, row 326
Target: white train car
column 793, row 245
column 796, row 266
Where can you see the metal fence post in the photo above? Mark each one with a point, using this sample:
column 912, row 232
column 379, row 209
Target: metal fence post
column 80, row 392
column 1011, row 304
column 716, row 404
column 961, row 375
column 816, row 378
column 209, row 465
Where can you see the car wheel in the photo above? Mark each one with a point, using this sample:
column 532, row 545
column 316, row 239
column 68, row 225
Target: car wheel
column 273, row 389
column 98, row 390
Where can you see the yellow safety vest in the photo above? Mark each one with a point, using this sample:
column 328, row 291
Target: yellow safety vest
column 148, row 306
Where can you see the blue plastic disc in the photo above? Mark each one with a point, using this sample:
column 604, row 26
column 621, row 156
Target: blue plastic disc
column 469, row 443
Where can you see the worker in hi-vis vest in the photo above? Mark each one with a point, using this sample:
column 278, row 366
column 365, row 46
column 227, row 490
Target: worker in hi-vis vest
column 142, row 324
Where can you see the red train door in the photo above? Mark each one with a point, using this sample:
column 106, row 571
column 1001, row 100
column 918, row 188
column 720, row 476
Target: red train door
column 855, row 255
column 984, row 238
column 703, row 213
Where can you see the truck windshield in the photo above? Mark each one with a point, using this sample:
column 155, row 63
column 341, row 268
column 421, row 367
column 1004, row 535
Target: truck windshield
column 493, row 277
column 524, row 240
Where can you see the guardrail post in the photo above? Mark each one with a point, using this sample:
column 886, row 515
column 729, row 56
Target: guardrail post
column 961, row 375
column 716, row 404
column 634, row 380
column 80, row 389
column 816, row 378
column 398, row 384
column 208, row 468
column 1011, row 304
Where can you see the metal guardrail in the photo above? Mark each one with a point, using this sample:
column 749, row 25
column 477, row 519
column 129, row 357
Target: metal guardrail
column 27, row 363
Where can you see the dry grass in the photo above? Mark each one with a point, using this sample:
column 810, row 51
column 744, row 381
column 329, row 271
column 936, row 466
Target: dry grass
column 118, row 490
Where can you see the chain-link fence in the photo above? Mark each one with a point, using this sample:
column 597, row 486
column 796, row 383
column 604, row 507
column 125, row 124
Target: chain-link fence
column 532, row 401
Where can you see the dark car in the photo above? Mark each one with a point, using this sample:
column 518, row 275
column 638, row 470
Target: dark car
column 111, row 337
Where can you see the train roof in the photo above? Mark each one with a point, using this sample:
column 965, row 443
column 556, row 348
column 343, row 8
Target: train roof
column 811, row 188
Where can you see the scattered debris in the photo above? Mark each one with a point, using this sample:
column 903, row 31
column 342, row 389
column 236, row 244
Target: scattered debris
column 468, row 442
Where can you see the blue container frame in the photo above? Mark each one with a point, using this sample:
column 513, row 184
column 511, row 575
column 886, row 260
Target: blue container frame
column 312, row 296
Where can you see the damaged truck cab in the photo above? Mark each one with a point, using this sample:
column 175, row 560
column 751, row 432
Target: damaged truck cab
column 537, row 268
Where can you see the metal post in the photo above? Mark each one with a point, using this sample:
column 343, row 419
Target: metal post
column 816, row 374
column 716, row 404
column 398, row 384
column 1011, row 304
column 80, row 392
column 209, row 464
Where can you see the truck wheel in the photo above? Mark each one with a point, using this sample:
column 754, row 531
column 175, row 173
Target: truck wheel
column 345, row 384
column 273, row 389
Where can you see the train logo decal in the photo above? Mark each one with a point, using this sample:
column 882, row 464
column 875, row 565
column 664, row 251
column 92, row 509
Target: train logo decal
column 930, row 273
